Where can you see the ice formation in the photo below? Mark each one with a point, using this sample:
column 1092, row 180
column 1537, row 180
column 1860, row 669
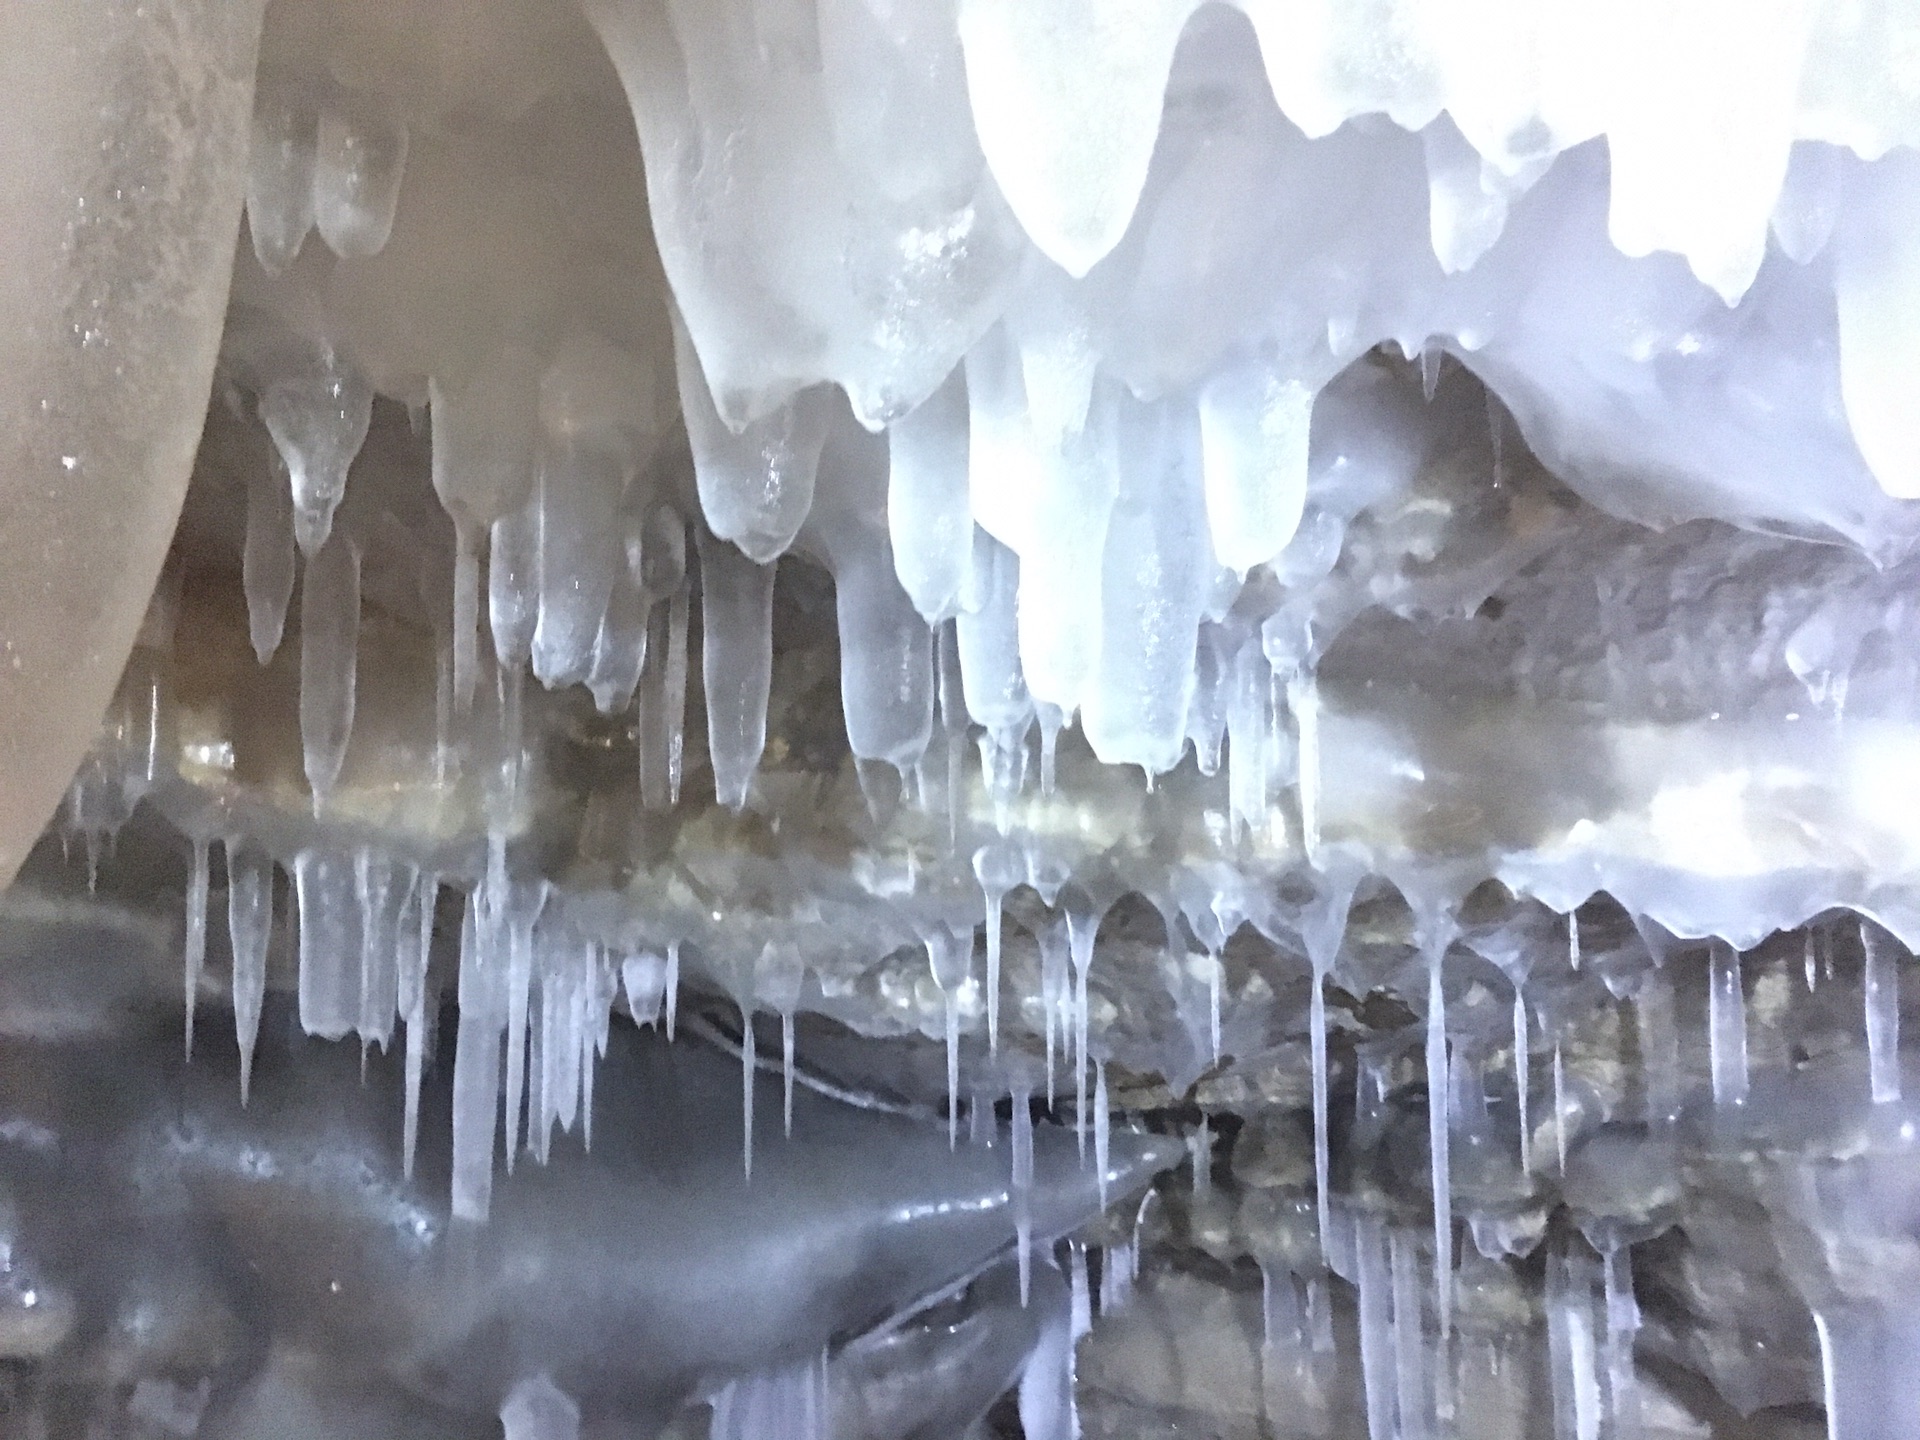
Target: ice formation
column 1358, row 554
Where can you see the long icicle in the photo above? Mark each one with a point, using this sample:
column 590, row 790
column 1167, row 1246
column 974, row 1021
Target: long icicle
column 196, row 947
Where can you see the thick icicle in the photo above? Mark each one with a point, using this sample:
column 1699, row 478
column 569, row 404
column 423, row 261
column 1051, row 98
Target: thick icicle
column 1080, row 1296
column 737, row 663
column 198, row 881
column 317, row 411
column 267, row 558
column 249, row 926
column 928, row 513
column 358, row 162
column 280, row 174
column 1727, row 1027
column 1253, row 437
column 379, row 945
column 1882, row 989
column 328, row 902
column 1376, row 1327
column 476, row 1062
column 329, row 661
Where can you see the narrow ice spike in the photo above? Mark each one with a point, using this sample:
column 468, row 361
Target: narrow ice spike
column 249, row 925
column 786, row 1070
column 1881, row 987
column 198, row 882
column 746, row 1090
column 1101, row 1122
column 1021, row 1150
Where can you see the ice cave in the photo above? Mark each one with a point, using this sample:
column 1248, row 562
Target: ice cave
column 959, row 719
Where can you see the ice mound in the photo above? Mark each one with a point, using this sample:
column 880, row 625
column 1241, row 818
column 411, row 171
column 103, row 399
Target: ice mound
column 1337, row 579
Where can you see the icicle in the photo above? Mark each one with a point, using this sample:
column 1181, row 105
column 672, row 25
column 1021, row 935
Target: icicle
column 1727, row 1027
column 1083, row 925
column 1052, row 720
column 1439, row 1137
column 519, row 991
column 746, row 1089
column 329, row 661
column 279, row 175
column 1101, row 1127
column 1046, row 1401
column 786, row 1069
column 1116, row 1273
column 1522, row 1076
column 1573, row 939
column 1623, row 1324
column 672, row 986
column 1322, row 1158
column 950, row 957
column 198, row 881
column 1882, row 990
column 415, row 963
column 359, row 158
column 1409, row 1338
column 998, row 868
column 317, row 409
column 324, row 888
column 1559, row 1108
column 476, row 1060
column 1809, row 963
column 379, row 981
column 1022, row 1185
column 736, row 626
column 979, row 1119
column 266, row 558
column 249, row 925
column 1216, row 974
column 1200, row 1153
column 1659, row 1047
column 1376, row 1328
column 1081, row 1296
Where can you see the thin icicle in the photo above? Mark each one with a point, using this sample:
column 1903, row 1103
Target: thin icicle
column 1882, row 993
column 1081, row 1295
column 519, row 993
column 1522, row 1043
column 1559, row 1108
column 786, row 1068
column 198, row 882
column 1102, row 1123
column 1376, row 1328
column 998, row 868
column 1022, row 1185
column 413, row 998
column 1727, row 1028
column 1083, row 926
column 1439, row 1136
column 746, row 1089
column 1322, row 1157
column 1409, row 1338
column 1573, row 939
column 952, row 1006
column 672, row 986
column 249, row 926
column 1216, row 975
column 1200, row 1152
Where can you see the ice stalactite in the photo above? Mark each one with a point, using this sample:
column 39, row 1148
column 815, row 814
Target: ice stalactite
column 1881, row 984
column 950, row 956
column 414, row 962
column 476, row 1064
column 1726, row 1027
column 267, row 563
column 198, row 882
column 317, row 411
column 1020, row 1150
column 329, row 661
column 249, row 927
column 998, row 868
column 327, row 905
column 1083, row 914
column 360, row 155
column 280, row 167
column 1102, row 1121
column 736, row 620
